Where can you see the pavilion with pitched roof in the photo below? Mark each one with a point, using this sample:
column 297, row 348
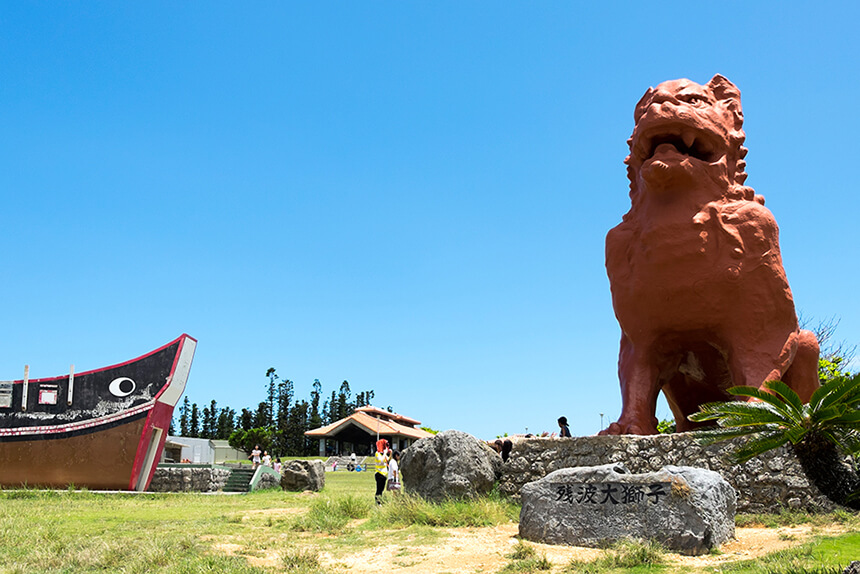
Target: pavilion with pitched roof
column 359, row 431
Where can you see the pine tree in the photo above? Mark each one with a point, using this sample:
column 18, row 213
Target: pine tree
column 194, row 424
column 246, row 420
column 206, row 424
column 296, row 429
column 226, row 423
column 262, row 418
column 343, row 404
column 330, row 409
column 285, row 398
column 315, row 420
column 184, row 414
column 270, row 393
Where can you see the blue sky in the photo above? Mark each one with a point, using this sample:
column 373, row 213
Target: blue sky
column 410, row 196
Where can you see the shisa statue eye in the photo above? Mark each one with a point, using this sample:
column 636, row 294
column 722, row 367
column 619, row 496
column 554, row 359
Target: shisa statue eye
column 122, row 387
column 694, row 99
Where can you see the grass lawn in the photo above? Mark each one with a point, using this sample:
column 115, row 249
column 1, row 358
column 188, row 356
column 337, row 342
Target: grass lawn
column 80, row 532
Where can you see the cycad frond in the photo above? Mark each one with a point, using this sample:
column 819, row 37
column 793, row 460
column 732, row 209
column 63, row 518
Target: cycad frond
column 796, row 434
column 775, row 401
column 712, row 435
column 759, row 445
column 841, row 390
column 754, row 411
column 829, row 413
column 849, row 417
column 756, row 422
column 848, row 442
column 786, row 393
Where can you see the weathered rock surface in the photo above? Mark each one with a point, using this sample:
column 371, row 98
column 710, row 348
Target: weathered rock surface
column 190, row 479
column 268, row 481
column 688, row 510
column 768, row 483
column 451, row 464
column 301, row 475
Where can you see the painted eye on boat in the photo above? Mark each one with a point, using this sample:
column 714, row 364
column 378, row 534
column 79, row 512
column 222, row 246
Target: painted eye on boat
column 122, row 387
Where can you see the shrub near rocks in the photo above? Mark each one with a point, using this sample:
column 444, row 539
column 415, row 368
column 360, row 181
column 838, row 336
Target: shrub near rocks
column 451, row 464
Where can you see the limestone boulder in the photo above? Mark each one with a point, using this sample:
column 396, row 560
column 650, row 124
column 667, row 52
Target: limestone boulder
column 688, row 510
column 301, row 475
column 451, row 464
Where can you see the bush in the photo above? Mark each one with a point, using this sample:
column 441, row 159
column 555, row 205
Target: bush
column 301, row 562
column 408, row 509
column 627, row 553
column 522, row 551
column 332, row 514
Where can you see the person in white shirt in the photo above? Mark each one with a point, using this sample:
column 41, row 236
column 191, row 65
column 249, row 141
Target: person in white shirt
column 394, row 472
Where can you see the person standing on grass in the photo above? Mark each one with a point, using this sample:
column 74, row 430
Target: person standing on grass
column 394, row 472
column 267, row 459
column 383, row 456
column 255, row 456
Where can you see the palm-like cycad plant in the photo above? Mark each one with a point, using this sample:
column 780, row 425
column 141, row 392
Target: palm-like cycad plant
column 820, row 433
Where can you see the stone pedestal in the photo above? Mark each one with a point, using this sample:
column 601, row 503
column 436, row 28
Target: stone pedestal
column 688, row 510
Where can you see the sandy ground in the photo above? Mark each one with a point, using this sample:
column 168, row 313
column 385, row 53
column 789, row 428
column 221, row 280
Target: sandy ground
column 473, row 550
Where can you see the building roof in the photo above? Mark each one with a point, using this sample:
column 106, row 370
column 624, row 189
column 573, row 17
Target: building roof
column 386, row 415
column 391, row 425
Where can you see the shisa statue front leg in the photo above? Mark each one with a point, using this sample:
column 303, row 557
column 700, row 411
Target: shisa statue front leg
column 638, row 377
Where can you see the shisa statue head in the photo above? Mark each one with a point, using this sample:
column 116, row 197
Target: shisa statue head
column 687, row 133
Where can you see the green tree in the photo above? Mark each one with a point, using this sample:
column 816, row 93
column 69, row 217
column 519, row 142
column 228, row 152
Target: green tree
column 835, row 356
column 205, row 424
column 184, row 415
column 237, row 439
column 194, row 422
column 316, row 419
column 821, row 433
column 295, row 431
column 343, row 409
column 330, row 409
column 262, row 418
column 246, row 440
column 666, row 426
column 285, row 399
column 363, row 399
column 210, row 421
column 226, row 423
column 246, row 419
column 271, row 393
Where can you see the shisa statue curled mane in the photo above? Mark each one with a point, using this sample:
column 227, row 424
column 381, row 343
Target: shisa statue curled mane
column 697, row 280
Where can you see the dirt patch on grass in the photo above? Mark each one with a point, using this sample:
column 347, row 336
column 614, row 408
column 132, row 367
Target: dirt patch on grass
column 473, row 550
column 469, row 550
column 752, row 543
column 273, row 512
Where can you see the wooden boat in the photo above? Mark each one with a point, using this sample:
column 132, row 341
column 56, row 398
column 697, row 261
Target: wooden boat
column 101, row 429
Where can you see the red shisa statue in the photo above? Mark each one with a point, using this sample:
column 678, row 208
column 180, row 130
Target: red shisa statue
column 697, row 280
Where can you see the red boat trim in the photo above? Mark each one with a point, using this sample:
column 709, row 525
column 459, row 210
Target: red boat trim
column 158, row 420
column 80, row 425
column 161, row 348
